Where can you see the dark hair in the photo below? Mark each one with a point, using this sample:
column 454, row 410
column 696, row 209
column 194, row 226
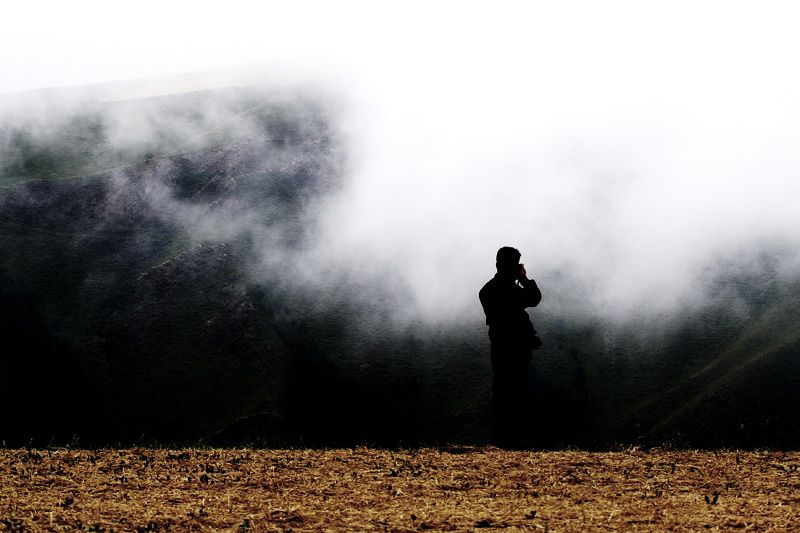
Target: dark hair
column 507, row 258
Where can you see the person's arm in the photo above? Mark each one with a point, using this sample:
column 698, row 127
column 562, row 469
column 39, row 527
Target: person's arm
column 483, row 296
column 531, row 295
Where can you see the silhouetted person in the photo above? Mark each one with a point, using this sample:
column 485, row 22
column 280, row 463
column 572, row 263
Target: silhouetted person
column 504, row 299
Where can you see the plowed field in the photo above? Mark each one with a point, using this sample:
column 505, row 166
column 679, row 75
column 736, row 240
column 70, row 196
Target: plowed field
column 366, row 489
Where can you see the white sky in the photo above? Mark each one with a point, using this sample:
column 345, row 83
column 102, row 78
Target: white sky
column 46, row 43
column 629, row 140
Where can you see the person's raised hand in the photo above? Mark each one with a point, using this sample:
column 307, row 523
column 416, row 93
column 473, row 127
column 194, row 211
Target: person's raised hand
column 522, row 272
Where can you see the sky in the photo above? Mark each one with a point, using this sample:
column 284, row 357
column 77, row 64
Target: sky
column 627, row 143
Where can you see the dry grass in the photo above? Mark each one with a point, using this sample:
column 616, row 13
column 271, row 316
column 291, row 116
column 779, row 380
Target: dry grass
column 365, row 489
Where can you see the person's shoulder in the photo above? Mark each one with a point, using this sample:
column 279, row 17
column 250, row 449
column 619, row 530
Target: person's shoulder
column 488, row 286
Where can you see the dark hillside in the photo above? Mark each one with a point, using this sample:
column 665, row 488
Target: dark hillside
column 149, row 293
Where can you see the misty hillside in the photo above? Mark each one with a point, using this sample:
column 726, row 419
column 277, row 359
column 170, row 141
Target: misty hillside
column 151, row 291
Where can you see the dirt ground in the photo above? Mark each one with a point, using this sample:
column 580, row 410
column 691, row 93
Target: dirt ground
column 366, row 489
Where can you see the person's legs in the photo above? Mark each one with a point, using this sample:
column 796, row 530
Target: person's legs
column 509, row 399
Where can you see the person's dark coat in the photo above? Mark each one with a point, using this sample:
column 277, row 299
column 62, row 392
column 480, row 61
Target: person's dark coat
column 504, row 303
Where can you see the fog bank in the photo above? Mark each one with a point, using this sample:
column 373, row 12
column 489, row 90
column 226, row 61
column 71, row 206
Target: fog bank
column 622, row 148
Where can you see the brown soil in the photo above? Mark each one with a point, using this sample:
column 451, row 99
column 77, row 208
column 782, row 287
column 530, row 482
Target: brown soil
column 365, row 489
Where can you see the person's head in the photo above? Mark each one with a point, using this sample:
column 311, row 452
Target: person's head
column 508, row 260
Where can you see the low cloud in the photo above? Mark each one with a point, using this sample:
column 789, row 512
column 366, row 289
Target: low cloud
column 623, row 150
